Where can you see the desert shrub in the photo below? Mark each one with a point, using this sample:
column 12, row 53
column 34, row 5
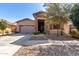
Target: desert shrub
column 7, row 32
column 17, row 32
column 44, row 33
column 75, row 34
column 36, row 33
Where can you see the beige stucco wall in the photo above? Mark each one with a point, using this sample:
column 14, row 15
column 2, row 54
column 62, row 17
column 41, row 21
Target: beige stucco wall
column 66, row 28
column 17, row 28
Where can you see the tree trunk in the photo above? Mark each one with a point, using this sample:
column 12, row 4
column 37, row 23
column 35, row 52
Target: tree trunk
column 57, row 32
column 61, row 32
column 61, row 29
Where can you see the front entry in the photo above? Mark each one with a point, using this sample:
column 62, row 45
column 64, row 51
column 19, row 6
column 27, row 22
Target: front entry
column 41, row 26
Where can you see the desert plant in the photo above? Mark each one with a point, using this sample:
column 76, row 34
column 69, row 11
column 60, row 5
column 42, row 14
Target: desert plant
column 36, row 33
column 7, row 32
column 44, row 33
column 57, row 14
column 16, row 32
column 75, row 16
column 75, row 34
column 3, row 25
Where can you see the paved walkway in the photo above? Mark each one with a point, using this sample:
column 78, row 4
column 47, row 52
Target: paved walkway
column 6, row 48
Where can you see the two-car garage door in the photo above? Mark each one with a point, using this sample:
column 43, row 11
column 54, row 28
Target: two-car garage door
column 27, row 29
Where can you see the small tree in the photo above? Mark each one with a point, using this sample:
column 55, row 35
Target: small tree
column 75, row 15
column 57, row 14
column 3, row 26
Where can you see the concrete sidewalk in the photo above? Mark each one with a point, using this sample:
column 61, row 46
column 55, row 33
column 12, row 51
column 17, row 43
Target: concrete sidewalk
column 8, row 49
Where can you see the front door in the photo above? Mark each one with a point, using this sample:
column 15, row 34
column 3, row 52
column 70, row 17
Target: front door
column 41, row 26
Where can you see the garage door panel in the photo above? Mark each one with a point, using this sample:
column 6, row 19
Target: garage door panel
column 27, row 29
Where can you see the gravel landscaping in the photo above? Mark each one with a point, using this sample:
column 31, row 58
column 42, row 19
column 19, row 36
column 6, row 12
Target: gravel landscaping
column 48, row 50
column 54, row 46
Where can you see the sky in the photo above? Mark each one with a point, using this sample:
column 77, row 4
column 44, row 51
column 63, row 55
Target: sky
column 17, row 11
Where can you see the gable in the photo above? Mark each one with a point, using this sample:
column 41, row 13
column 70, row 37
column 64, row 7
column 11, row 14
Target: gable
column 40, row 13
column 26, row 22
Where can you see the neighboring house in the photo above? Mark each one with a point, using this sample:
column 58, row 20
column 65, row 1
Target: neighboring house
column 11, row 28
column 38, row 24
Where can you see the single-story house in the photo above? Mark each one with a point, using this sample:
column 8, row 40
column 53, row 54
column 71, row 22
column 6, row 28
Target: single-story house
column 26, row 26
column 38, row 24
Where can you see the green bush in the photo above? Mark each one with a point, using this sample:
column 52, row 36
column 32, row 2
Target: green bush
column 44, row 33
column 17, row 32
column 36, row 33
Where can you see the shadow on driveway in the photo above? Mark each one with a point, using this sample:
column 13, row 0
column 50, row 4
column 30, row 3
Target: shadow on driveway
column 17, row 34
column 26, row 41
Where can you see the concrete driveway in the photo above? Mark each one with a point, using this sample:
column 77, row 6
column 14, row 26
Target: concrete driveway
column 6, row 48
